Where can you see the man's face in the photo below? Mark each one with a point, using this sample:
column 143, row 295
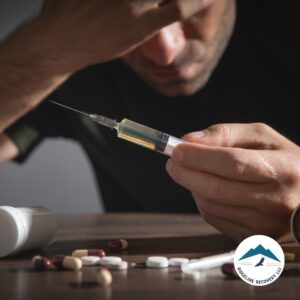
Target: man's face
column 179, row 59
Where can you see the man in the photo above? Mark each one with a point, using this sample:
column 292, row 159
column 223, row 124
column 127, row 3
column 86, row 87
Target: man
column 173, row 76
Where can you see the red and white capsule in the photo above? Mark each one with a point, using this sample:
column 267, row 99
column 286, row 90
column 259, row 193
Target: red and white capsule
column 41, row 263
column 228, row 269
column 67, row 262
column 88, row 252
column 117, row 245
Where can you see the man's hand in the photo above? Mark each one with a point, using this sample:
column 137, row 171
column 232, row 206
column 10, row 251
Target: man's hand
column 245, row 178
column 81, row 33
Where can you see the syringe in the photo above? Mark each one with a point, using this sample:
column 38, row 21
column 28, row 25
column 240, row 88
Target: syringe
column 134, row 132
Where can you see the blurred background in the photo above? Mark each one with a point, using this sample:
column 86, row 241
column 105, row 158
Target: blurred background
column 57, row 175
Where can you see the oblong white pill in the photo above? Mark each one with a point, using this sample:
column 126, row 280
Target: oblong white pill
column 157, row 262
column 90, row 260
column 118, row 266
column 190, row 273
column 106, row 260
column 195, row 275
column 178, row 261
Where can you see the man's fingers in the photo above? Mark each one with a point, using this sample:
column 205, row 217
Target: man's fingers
column 242, row 216
column 234, row 163
column 249, row 136
column 231, row 229
column 238, row 232
column 184, row 9
column 218, row 189
column 173, row 11
column 209, row 207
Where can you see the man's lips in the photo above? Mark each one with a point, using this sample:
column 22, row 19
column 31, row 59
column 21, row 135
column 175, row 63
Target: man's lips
column 170, row 75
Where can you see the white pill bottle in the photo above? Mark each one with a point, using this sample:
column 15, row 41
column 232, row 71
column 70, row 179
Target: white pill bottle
column 25, row 228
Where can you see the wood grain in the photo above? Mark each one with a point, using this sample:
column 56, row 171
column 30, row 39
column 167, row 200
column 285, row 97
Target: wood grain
column 170, row 235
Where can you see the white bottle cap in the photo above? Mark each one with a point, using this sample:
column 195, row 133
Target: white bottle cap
column 13, row 230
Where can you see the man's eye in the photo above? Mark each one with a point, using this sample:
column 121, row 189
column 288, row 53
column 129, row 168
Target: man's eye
column 191, row 26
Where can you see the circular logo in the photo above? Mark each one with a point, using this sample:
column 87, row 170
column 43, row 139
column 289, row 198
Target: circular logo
column 259, row 260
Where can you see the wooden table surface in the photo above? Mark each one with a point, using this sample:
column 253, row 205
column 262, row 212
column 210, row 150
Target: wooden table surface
column 148, row 234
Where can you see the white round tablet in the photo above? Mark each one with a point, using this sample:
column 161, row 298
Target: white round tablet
column 178, row 261
column 90, row 260
column 157, row 262
column 118, row 266
column 106, row 260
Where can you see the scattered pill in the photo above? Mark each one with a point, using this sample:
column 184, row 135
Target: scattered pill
column 157, row 262
column 104, row 277
column 177, row 262
column 90, row 260
column 289, row 256
column 118, row 266
column 228, row 269
column 41, row 263
column 117, row 245
column 107, row 260
column 88, row 252
column 67, row 262
column 138, row 265
column 192, row 274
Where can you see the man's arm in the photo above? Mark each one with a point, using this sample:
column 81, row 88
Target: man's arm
column 68, row 36
column 27, row 74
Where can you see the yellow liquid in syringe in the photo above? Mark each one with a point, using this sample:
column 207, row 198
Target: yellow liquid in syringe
column 141, row 135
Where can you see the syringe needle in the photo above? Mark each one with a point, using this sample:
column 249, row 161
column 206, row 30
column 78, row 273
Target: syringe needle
column 104, row 121
column 70, row 108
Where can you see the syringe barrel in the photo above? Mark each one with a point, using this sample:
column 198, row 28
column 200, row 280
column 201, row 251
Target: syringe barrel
column 172, row 143
column 147, row 137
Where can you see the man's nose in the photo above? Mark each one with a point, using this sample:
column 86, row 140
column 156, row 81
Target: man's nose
column 166, row 45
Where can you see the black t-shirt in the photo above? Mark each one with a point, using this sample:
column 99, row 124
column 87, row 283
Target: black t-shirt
column 255, row 81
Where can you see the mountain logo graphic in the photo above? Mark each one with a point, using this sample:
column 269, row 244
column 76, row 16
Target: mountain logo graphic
column 259, row 260
column 259, row 250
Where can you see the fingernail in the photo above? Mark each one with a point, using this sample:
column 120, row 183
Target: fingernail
column 199, row 134
column 195, row 136
column 169, row 165
column 177, row 154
